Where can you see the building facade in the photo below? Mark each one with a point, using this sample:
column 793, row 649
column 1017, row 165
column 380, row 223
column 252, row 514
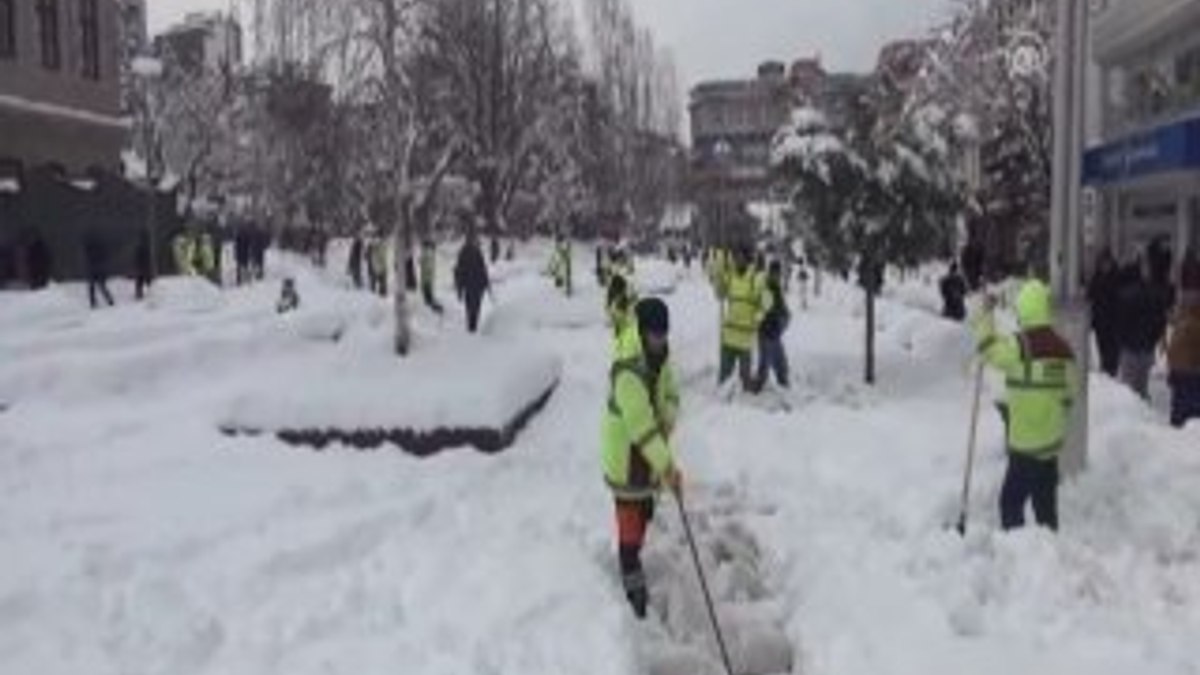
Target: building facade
column 132, row 41
column 733, row 123
column 1145, row 168
column 59, row 86
column 203, row 42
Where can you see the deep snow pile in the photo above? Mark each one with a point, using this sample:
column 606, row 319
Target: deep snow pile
column 138, row 538
column 370, row 389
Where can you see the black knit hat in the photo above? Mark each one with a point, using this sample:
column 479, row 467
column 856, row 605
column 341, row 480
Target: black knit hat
column 653, row 316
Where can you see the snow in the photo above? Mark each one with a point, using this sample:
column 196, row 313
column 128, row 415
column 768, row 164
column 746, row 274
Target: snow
column 966, row 127
column 146, row 67
column 134, row 163
column 355, row 390
column 806, row 148
column 185, row 294
column 909, row 158
column 21, row 104
column 804, row 119
column 656, row 277
column 139, row 538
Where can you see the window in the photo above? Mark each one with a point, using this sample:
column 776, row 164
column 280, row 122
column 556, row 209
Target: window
column 8, row 29
column 89, row 26
column 47, row 13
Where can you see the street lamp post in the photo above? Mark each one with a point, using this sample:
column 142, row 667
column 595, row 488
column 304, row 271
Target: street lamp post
column 1065, row 224
column 722, row 150
column 148, row 69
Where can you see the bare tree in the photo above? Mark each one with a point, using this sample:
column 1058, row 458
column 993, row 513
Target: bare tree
column 195, row 118
column 377, row 44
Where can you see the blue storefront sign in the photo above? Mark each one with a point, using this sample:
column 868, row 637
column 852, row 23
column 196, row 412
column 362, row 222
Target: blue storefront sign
column 1171, row 148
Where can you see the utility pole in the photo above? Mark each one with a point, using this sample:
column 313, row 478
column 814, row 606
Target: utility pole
column 1066, row 214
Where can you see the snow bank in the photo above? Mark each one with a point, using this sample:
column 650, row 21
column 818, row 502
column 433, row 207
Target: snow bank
column 546, row 309
column 184, row 294
column 48, row 308
column 656, row 277
column 463, row 390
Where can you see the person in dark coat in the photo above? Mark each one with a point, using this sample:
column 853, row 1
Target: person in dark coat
column 954, row 294
column 40, row 263
column 471, row 279
column 260, row 242
column 972, row 265
column 355, row 264
column 772, row 357
column 95, row 256
column 1145, row 307
column 141, row 261
column 241, row 254
column 1104, row 298
column 1183, row 349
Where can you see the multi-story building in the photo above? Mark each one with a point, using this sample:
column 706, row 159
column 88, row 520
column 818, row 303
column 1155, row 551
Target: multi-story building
column 203, row 42
column 1146, row 168
column 732, row 125
column 132, row 41
column 61, row 135
column 59, row 86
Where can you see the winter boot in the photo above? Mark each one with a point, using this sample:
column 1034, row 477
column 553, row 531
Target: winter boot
column 638, row 599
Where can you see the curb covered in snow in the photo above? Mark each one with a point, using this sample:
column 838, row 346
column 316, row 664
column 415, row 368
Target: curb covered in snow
column 458, row 391
column 422, row 443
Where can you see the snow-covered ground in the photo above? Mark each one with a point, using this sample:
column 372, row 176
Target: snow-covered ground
column 137, row 538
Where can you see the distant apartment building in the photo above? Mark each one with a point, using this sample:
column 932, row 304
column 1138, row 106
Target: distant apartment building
column 132, row 41
column 202, row 42
column 732, row 125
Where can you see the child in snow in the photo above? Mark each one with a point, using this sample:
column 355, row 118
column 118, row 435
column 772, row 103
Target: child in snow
column 1040, row 371
column 643, row 405
column 289, row 299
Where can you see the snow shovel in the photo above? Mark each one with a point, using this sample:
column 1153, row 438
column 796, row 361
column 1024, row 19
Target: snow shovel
column 966, row 489
column 712, row 613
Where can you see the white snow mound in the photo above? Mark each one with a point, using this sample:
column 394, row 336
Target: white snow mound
column 458, row 383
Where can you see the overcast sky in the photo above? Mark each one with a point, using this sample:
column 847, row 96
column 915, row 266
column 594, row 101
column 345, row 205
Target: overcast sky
column 728, row 38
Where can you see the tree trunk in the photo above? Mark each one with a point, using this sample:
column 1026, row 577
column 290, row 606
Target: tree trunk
column 403, row 337
column 870, row 365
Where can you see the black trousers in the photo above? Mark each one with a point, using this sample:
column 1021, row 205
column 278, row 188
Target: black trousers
column 141, row 283
column 378, row 283
column 1029, row 479
column 99, row 284
column 741, row 357
column 474, row 302
column 1108, row 343
column 430, row 301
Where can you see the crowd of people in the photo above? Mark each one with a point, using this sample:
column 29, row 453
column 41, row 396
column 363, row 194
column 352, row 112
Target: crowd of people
column 1145, row 308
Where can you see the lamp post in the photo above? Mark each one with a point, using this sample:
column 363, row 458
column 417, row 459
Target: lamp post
column 722, row 150
column 148, row 69
column 1065, row 262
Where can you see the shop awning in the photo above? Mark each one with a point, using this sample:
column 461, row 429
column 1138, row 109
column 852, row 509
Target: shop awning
column 1170, row 148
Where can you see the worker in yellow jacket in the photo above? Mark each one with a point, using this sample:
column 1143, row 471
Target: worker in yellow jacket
column 1040, row 380
column 745, row 301
column 638, row 460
